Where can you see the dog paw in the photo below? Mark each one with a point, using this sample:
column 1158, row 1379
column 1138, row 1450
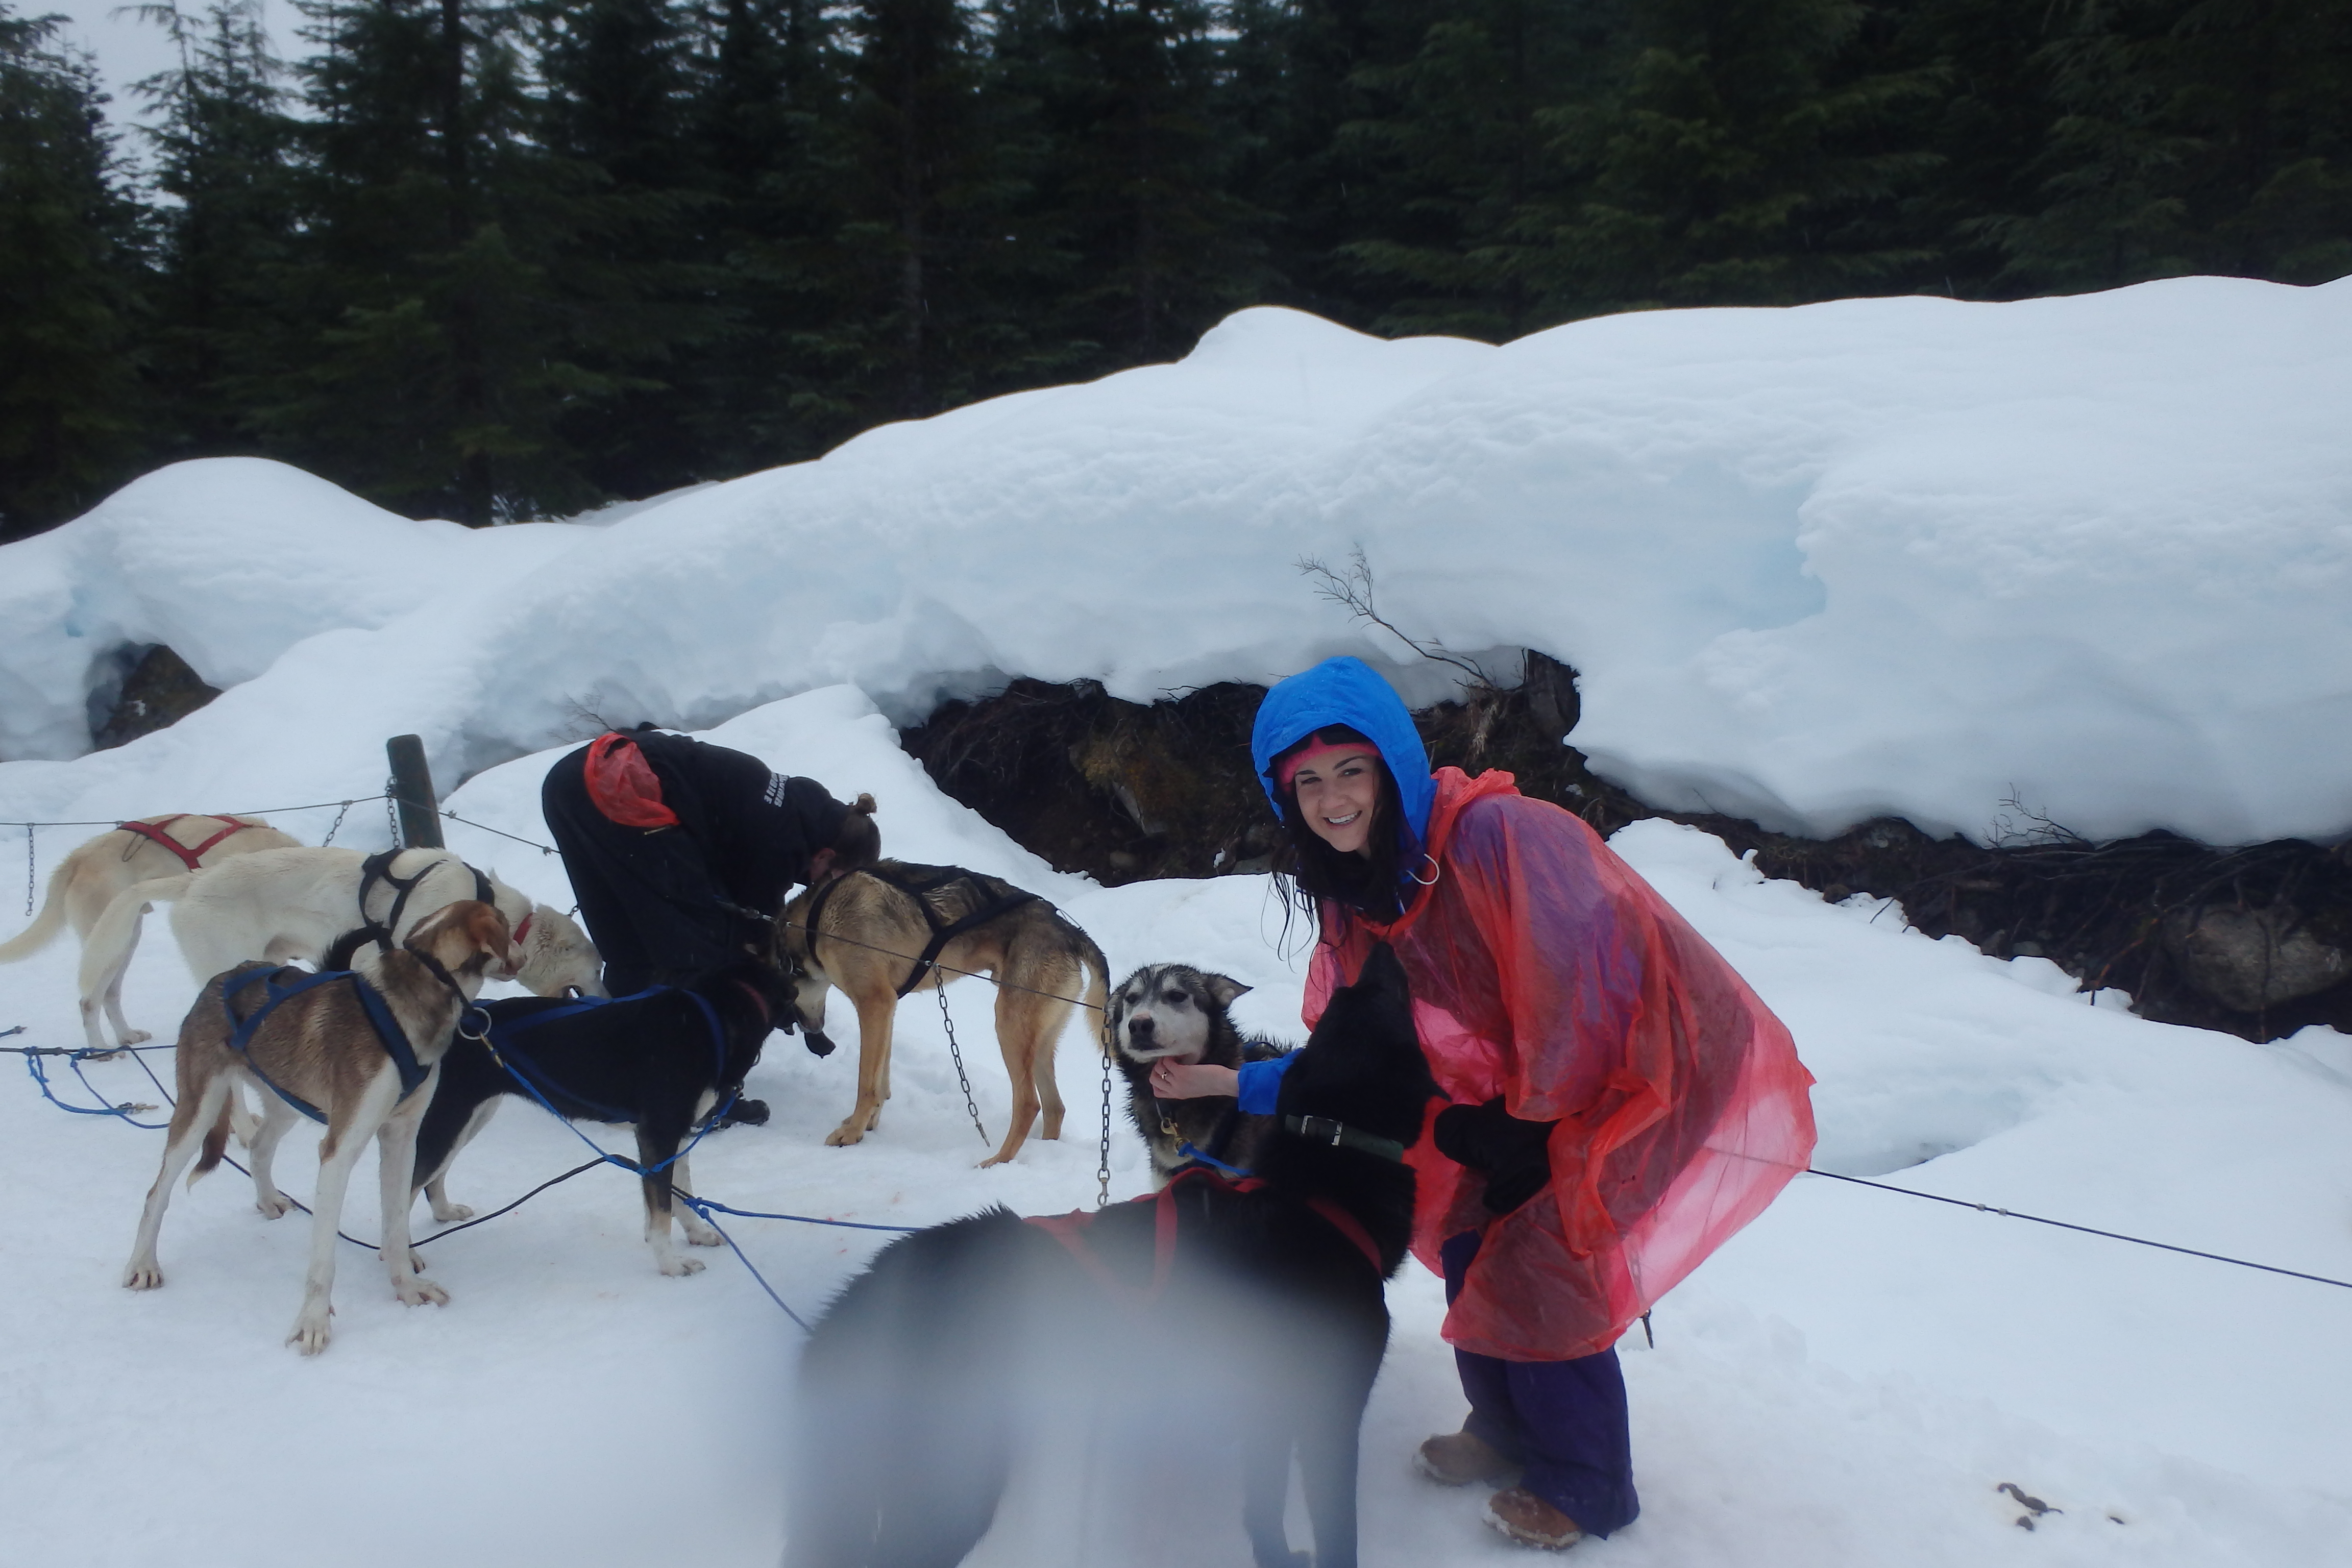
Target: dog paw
column 114, row 1054
column 995, row 1160
column 450, row 1214
column 706, row 1236
column 142, row 1277
column 418, row 1291
column 310, row 1334
column 136, row 1037
column 848, row 1132
column 678, row 1267
column 275, row 1207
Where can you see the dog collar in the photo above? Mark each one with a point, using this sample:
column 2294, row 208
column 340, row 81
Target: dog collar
column 1339, row 1135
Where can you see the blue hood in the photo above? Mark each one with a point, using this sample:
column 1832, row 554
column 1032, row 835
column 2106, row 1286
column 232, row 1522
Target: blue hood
column 1347, row 691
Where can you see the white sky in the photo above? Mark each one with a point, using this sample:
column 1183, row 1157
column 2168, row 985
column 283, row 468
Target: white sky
column 128, row 49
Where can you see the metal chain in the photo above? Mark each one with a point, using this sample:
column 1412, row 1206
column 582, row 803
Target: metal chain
column 331, row 826
column 391, row 810
column 1102, row 1164
column 29, row 831
column 969, row 1104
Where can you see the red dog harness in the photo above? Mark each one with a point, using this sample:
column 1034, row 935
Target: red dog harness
column 1069, row 1230
column 153, row 832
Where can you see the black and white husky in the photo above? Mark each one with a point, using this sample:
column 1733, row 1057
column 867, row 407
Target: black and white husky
column 1173, row 1010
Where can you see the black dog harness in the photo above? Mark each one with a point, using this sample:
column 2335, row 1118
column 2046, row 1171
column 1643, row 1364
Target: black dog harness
column 379, row 1014
column 933, row 888
column 377, row 868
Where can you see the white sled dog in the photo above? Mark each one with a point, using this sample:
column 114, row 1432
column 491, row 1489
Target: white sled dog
column 328, row 1052
column 286, row 904
column 90, row 877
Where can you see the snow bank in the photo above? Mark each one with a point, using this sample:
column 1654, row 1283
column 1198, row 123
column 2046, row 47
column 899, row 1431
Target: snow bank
column 1886, row 555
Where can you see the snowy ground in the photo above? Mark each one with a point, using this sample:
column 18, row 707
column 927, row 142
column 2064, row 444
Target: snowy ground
column 1847, row 1383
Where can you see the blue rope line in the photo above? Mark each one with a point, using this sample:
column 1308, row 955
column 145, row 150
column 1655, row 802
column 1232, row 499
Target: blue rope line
column 804, row 1219
column 607, row 1155
column 702, row 1208
column 123, row 1111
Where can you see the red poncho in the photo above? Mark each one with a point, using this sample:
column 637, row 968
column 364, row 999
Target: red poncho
column 1545, row 971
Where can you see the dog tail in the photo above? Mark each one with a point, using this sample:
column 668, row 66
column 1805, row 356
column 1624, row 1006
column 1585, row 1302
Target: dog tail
column 215, row 1139
column 47, row 924
column 1097, row 995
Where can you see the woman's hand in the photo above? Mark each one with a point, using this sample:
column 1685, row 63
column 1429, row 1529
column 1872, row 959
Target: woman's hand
column 1172, row 1080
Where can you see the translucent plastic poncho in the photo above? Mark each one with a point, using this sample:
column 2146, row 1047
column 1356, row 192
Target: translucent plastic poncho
column 1546, row 970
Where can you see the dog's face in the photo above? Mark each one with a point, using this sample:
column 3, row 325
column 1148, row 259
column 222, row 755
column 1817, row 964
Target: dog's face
column 1169, row 1010
column 470, row 940
column 804, row 987
column 558, row 957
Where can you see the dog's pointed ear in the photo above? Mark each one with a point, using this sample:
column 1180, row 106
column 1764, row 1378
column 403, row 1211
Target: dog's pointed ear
column 1225, row 988
column 488, row 934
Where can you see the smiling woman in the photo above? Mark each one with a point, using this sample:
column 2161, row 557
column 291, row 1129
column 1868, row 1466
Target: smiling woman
column 1621, row 1102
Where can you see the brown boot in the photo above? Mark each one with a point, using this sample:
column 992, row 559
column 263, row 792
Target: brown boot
column 1527, row 1519
column 1458, row 1459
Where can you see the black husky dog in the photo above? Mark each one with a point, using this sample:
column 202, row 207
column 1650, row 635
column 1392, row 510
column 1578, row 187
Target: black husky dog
column 652, row 1059
column 1244, row 1311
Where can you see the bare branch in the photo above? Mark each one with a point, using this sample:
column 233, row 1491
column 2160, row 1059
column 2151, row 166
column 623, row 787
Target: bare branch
column 1353, row 591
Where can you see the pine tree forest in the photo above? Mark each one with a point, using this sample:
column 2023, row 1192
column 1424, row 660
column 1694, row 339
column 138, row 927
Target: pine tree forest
column 494, row 261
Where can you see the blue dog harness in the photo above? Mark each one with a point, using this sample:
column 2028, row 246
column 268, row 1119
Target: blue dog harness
column 499, row 1041
column 388, row 1032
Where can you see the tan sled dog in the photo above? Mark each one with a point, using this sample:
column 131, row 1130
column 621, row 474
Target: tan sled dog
column 89, row 878
column 894, row 928
column 321, row 1047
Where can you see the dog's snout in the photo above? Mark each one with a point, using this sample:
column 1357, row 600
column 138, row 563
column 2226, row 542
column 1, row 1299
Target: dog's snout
column 1140, row 1027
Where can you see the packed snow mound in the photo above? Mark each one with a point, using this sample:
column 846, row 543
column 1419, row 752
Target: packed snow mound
column 1907, row 556
column 227, row 561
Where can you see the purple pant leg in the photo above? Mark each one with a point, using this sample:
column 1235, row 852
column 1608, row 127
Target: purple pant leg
column 1564, row 1421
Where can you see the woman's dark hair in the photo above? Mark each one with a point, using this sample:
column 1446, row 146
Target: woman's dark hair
column 1308, row 871
column 857, row 843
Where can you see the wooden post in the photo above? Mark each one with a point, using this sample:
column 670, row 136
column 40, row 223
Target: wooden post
column 411, row 791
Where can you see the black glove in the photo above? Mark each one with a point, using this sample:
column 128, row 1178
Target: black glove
column 1515, row 1156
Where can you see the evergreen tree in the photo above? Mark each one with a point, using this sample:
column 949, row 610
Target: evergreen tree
column 1135, row 186
column 223, row 152
column 2197, row 136
column 1460, row 138
column 1287, row 84
column 930, row 177
column 442, row 357
column 1736, row 163
column 768, row 120
column 70, row 272
column 632, row 266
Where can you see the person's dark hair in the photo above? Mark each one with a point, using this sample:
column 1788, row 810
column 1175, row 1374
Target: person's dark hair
column 1308, row 872
column 857, row 843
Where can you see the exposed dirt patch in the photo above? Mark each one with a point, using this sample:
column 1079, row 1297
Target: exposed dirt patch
column 148, row 689
column 2253, row 940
